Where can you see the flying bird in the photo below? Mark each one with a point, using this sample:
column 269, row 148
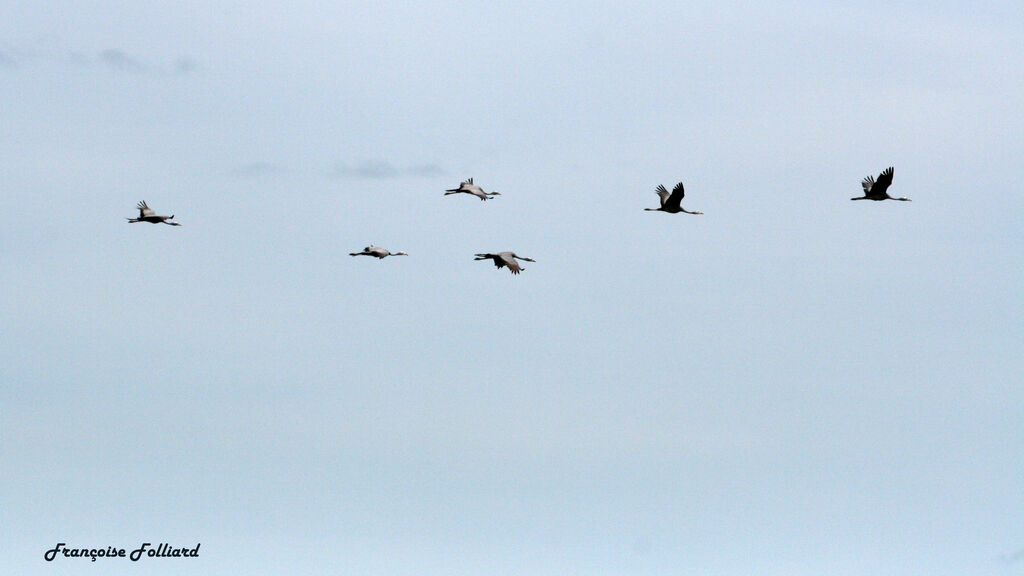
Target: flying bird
column 876, row 189
column 146, row 214
column 377, row 251
column 670, row 202
column 468, row 187
column 506, row 259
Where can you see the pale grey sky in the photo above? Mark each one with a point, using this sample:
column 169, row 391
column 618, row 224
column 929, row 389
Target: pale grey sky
column 792, row 383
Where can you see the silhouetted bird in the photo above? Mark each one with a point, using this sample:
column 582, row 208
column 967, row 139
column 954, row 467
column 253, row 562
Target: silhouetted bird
column 147, row 215
column 876, row 189
column 377, row 252
column 468, row 187
column 506, row 259
column 670, row 202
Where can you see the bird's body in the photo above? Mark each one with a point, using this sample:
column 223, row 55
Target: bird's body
column 146, row 214
column 506, row 259
column 877, row 189
column 377, row 252
column 468, row 187
column 671, row 202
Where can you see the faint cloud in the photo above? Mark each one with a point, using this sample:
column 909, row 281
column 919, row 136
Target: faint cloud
column 185, row 64
column 382, row 169
column 119, row 60
column 426, row 170
column 77, row 60
column 255, row 170
column 10, row 55
column 642, row 546
column 375, row 169
column 1017, row 556
column 48, row 52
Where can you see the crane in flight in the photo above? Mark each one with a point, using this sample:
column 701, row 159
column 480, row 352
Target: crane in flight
column 877, row 189
column 670, row 202
column 146, row 214
column 506, row 259
column 468, row 187
column 377, row 251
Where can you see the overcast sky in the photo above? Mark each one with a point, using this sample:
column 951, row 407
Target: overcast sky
column 792, row 383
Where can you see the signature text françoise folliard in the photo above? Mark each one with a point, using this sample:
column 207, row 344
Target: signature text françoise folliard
column 163, row 550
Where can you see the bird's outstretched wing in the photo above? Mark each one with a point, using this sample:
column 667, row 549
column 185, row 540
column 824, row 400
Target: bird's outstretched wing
column 513, row 265
column 676, row 197
column 462, row 186
column 883, row 182
column 144, row 210
column 662, row 193
column 867, row 183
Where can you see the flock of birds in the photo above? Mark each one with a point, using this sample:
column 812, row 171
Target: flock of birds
column 874, row 189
